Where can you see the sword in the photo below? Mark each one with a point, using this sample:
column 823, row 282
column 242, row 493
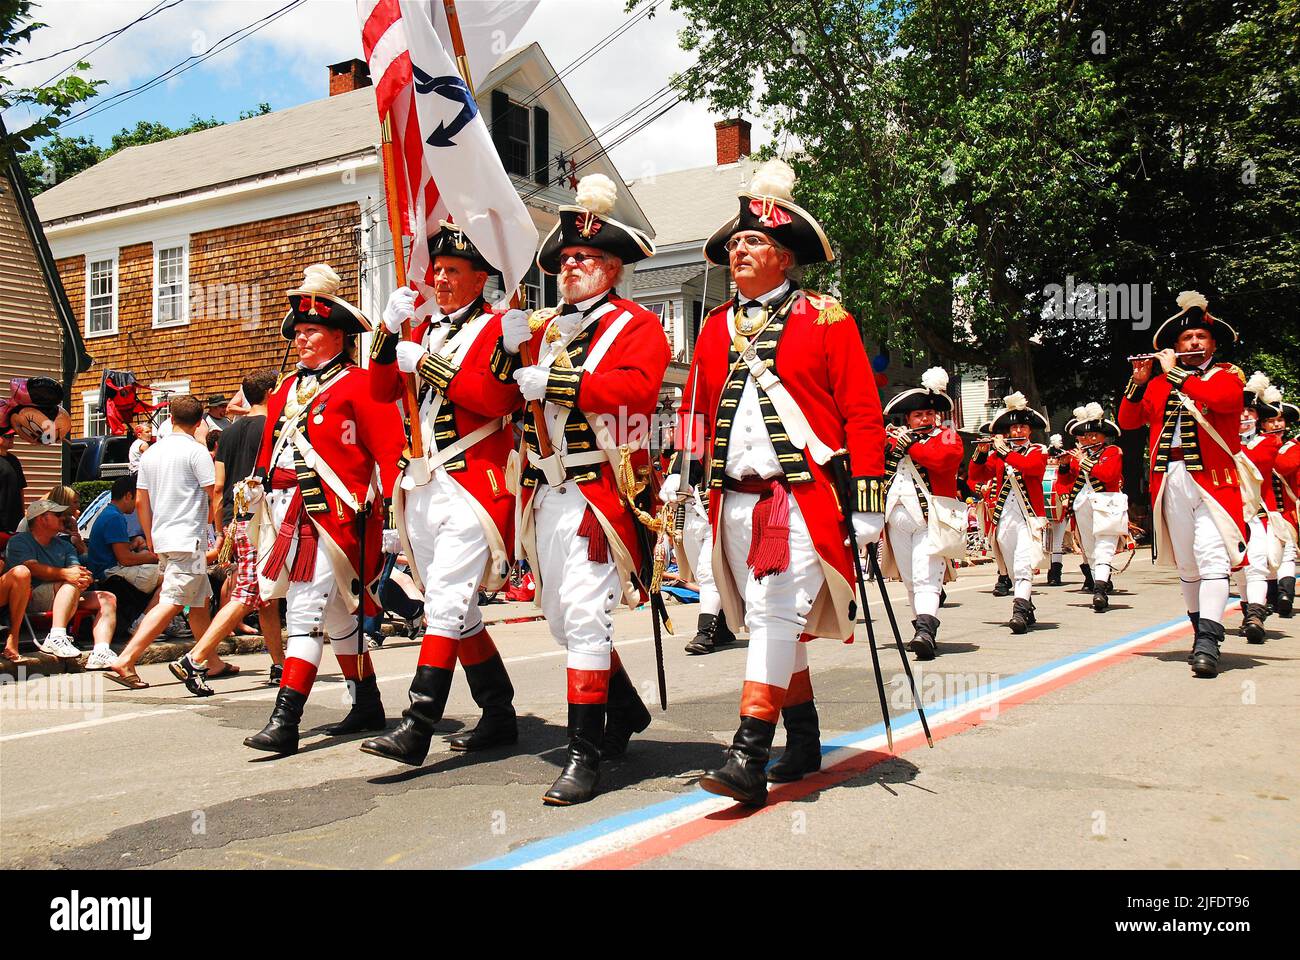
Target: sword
column 898, row 639
column 658, row 610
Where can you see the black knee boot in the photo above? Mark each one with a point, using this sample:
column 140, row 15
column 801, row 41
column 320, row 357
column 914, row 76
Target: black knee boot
column 1088, row 585
column 1253, row 623
column 280, row 735
column 1003, row 587
column 367, row 713
column 803, row 745
column 1101, row 596
column 1205, row 654
column 577, row 782
column 1196, row 628
column 702, row 642
column 1022, row 616
column 924, row 642
column 409, row 742
column 490, row 686
column 1286, row 597
column 1054, row 575
column 742, row 777
column 625, row 715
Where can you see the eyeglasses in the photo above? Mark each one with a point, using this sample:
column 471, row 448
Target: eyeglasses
column 578, row 259
column 749, row 242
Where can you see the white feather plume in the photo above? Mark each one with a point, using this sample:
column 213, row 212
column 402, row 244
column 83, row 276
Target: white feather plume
column 1081, row 413
column 321, row 278
column 1015, row 401
column 1055, row 440
column 773, row 179
column 1257, row 383
column 1192, row 298
column 1093, row 411
column 597, row 193
column 1272, row 395
column 935, row 379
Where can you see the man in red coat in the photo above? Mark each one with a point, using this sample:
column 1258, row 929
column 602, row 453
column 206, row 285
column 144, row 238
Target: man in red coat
column 325, row 436
column 1094, row 474
column 593, row 369
column 921, row 461
column 1286, row 486
column 1262, row 401
column 787, row 381
column 1016, row 466
column 1057, row 515
column 453, row 510
column 1192, row 410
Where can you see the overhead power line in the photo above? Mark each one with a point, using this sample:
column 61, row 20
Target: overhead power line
column 152, row 12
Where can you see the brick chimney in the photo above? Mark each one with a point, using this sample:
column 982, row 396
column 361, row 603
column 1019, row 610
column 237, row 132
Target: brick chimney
column 348, row 76
column 733, row 140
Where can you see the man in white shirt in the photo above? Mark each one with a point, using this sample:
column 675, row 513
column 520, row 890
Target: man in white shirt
column 177, row 498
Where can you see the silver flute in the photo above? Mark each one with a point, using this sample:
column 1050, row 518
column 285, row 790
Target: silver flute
column 1152, row 356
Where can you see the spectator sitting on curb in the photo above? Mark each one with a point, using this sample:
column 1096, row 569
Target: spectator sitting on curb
column 60, row 584
column 115, row 554
column 15, row 592
column 177, row 498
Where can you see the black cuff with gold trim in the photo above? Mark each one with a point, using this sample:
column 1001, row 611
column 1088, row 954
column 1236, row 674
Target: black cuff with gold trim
column 870, row 493
column 562, row 387
column 383, row 346
column 1176, row 375
column 503, row 363
column 437, row 371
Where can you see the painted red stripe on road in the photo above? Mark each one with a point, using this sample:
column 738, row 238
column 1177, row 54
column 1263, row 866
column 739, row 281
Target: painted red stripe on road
column 678, row 837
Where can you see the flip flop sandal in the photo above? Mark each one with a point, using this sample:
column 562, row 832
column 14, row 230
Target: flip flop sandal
column 228, row 670
column 131, row 681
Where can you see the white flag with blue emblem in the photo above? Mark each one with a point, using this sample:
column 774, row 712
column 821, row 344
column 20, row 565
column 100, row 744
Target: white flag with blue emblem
column 460, row 155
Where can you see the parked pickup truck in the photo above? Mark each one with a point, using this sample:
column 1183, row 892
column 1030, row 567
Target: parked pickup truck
column 100, row 458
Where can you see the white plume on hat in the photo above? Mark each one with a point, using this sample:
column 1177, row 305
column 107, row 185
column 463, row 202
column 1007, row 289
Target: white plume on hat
column 1092, row 411
column 935, row 379
column 1272, row 395
column 1257, row 383
column 1015, row 401
column 1055, row 440
column 597, row 193
column 1081, row 413
column 321, row 278
column 773, row 179
column 1192, row 298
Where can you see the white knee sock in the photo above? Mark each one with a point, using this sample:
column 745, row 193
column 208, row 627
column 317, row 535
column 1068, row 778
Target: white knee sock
column 1191, row 594
column 1214, row 599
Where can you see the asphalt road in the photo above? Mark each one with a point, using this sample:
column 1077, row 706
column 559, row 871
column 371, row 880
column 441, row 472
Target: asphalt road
column 1093, row 746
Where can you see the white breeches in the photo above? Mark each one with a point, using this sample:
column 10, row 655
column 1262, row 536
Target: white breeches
column 578, row 595
column 697, row 541
column 1098, row 552
column 1287, row 567
column 922, row 572
column 1252, row 579
column 1016, row 541
column 1058, row 528
column 450, row 553
column 1202, row 559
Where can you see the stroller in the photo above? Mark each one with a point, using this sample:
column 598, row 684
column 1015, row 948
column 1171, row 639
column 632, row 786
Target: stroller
column 400, row 609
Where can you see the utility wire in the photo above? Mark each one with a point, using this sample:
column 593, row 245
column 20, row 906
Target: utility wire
column 152, row 12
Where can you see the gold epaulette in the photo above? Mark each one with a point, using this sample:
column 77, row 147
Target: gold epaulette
column 537, row 319
column 1233, row 368
column 283, row 377
column 828, row 308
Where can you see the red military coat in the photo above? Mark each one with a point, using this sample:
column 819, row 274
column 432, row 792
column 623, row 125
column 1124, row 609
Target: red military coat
column 477, row 395
column 940, row 454
column 1032, row 465
column 624, row 388
column 1217, row 394
column 1107, row 473
column 1262, row 450
column 822, row 363
column 353, row 433
column 1287, row 466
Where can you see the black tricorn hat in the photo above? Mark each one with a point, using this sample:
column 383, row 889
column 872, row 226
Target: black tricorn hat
column 1193, row 314
column 1016, row 409
column 317, row 301
column 586, row 223
column 1261, row 396
column 452, row 241
column 1291, row 412
column 930, row 395
column 767, row 206
column 1090, row 418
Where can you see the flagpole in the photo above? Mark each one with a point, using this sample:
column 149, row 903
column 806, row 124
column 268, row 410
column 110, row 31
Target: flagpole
column 415, row 445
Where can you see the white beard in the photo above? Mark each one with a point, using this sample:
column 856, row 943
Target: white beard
column 583, row 287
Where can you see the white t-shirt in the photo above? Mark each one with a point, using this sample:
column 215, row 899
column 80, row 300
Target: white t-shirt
column 174, row 471
column 138, row 447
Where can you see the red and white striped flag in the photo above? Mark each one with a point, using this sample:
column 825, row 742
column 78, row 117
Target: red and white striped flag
column 445, row 163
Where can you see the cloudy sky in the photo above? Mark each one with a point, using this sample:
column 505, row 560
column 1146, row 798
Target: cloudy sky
column 284, row 64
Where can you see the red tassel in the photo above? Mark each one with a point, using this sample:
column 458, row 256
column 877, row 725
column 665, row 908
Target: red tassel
column 769, row 549
column 279, row 554
column 597, row 544
column 304, row 564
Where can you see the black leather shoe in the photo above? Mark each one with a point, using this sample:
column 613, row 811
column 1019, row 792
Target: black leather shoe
column 924, row 642
column 367, row 713
column 577, row 782
column 1196, row 628
column 1022, row 616
column 1101, row 596
column 409, row 743
column 625, row 715
column 490, row 686
column 1205, row 653
column 743, row 777
column 1003, row 587
column 1286, row 597
column 1054, row 575
column 803, row 745
column 280, row 735
column 711, row 633
column 1088, row 585
column 1253, row 625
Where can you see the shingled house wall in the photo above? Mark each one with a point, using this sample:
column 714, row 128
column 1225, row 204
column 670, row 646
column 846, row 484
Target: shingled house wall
column 238, row 277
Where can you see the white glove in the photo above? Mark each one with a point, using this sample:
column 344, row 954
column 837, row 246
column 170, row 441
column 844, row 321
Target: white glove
column 532, row 381
column 392, row 542
column 671, row 486
column 867, row 527
column 1001, row 445
column 515, row 331
column 409, row 355
column 401, row 307
column 251, row 491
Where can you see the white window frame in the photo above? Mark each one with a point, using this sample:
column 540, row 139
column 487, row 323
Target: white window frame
column 166, row 244
column 173, row 388
column 92, row 258
column 89, row 405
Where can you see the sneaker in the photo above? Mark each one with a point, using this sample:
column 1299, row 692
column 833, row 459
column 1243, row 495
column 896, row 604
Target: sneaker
column 375, row 641
column 101, row 658
column 59, row 647
column 194, row 678
column 276, row 675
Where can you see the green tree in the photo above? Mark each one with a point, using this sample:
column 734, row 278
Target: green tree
column 50, row 104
